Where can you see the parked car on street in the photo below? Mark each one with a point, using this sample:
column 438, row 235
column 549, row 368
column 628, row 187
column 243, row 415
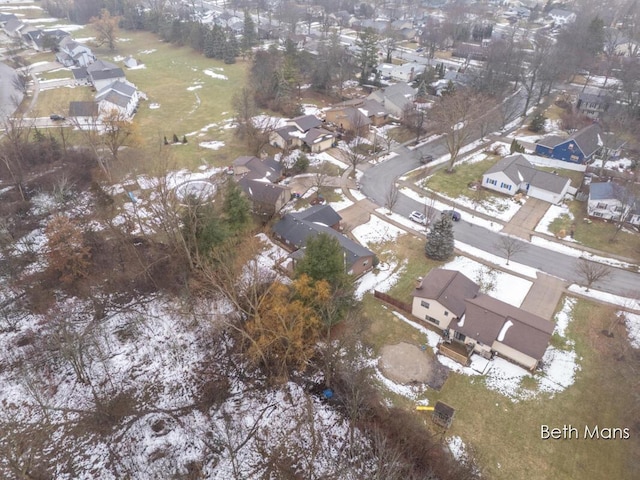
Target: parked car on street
column 426, row 158
column 452, row 214
column 56, row 117
column 418, row 217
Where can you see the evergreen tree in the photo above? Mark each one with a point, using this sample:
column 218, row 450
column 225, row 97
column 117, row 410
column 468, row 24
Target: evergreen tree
column 595, row 36
column 367, row 42
column 537, row 123
column 323, row 260
column 516, row 147
column 236, row 208
column 231, row 50
column 440, row 239
column 249, row 35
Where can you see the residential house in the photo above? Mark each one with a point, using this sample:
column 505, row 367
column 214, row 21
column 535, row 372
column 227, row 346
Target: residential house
column 71, row 53
column 84, row 114
column 593, row 105
column 131, row 62
column 102, row 74
column 470, row 51
column 41, row 40
column 406, row 72
column 451, row 78
column 268, row 169
column 394, row 98
column 439, row 298
column 492, row 327
column 80, row 76
column 371, row 109
column 515, row 174
column 304, row 131
column 296, row 228
column 562, row 17
column 120, row 96
column 5, row 17
column 348, row 119
column 267, row 198
column 13, row 27
column 579, row 147
column 611, row 201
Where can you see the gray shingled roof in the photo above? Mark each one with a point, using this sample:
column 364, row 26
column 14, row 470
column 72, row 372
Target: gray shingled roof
column 115, row 98
column 83, row 109
column 588, row 139
column 284, row 132
column 263, row 192
column 306, row 122
column 80, row 73
column 297, row 228
column 101, row 70
column 316, row 135
column 519, row 170
column 323, row 214
column 486, row 316
column 120, row 87
column 267, row 168
column 448, row 287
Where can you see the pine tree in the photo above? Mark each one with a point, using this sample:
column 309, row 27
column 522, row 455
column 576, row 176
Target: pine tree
column 323, row 260
column 440, row 239
column 367, row 42
column 236, row 208
column 249, row 36
column 231, row 50
column 516, row 147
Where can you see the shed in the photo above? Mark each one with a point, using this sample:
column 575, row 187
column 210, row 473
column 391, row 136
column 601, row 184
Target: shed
column 443, row 414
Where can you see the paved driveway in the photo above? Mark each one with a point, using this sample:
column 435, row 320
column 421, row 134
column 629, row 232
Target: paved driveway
column 544, row 295
column 526, row 219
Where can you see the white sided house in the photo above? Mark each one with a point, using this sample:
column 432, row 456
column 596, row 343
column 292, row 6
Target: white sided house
column 515, row 173
column 71, row 53
column 102, row 74
column 611, row 201
column 439, row 298
column 120, row 96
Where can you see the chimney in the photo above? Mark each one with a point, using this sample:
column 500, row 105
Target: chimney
column 419, row 283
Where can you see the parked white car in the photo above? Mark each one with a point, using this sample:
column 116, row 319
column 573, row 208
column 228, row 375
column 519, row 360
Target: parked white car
column 418, row 217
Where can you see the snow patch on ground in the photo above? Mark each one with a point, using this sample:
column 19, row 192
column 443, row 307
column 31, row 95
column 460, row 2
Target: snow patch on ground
column 508, row 288
column 628, row 302
column 342, row 203
column 154, row 106
column 632, row 321
column 375, row 231
column 213, row 74
column 382, row 278
column 577, row 253
column 213, row 145
column 553, row 212
column 457, row 448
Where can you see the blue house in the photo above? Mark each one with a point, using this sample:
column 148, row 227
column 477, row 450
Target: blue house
column 577, row 148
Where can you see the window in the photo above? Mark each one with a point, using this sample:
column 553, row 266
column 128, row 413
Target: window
column 432, row 320
column 597, row 214
column 446, row 314
column 601, row 206
column 491, row 181
column 424, row 303
column 618, row 209
column 459, row 336
column 574, row 158
column 365, row 263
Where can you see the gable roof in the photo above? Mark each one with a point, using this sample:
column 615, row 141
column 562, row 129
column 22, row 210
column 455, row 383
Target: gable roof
column 402, row 89
column 305, row 123
column 519, row 170
column 83, row 109
column 101, row 70
column 255, row 168
column 588, row 139
column 263, row 192
column 316, row 135
column 13, row 25
column 488, row 320
column 448, row 287
column 123, row 88
column 115, row 98
column 297, row 228
column 80, row 73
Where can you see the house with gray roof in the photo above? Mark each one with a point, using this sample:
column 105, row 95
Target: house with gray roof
column 102, row 74
column 119, row 96
column 303, row 131
column 258, row 179
column 394, row 98
column 593, row 105
column 562, row 17
column 71, row 53
column 13, row 27
column 439, row 297
column 580, row 147
column 612, row 201
column 297, row 227
column 515, row 173
column 492, row 327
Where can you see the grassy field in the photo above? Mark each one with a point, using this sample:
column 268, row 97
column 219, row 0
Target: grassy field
column 57, row 100
column 504, row 436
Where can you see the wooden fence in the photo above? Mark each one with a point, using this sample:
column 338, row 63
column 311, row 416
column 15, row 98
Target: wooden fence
column 400, row 305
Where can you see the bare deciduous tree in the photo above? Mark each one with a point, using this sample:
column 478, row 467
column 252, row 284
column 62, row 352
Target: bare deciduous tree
column 392, row 196
column 510, row 246
column 592, row 272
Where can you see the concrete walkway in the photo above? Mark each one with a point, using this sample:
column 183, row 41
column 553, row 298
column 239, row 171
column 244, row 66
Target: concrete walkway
column 544, row 295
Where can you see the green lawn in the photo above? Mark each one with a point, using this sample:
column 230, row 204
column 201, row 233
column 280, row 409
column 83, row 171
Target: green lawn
column 57, row 100
column 600, row 235
column 505, row 435
column 456, row 184
column 55, row 74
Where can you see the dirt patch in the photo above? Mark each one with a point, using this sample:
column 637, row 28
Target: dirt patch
column 406, row 363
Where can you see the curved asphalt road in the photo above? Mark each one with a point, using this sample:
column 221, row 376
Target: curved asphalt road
column 8, row 93
column 376, row 181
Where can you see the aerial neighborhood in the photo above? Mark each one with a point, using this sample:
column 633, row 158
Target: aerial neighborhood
column 247, row 240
